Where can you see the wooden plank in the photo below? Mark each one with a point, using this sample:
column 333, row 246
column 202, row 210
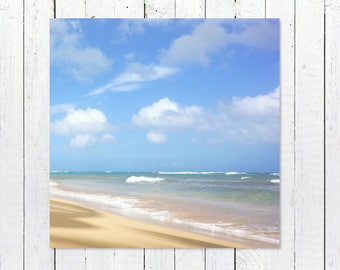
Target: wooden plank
column 283, row 258
column 332, row 133
column 100, row 258
column 190, row 9
column 250, row 8
column 162, row 259
column 190, row 259
column 37, row 254
column 70, row 259
column 159, row 9
column 220, row 8
column 11, row 135
column 129, row 8
column 99, row 9
column 219, row 258
column 132, row 259
column 309, row 135
column 70, row 9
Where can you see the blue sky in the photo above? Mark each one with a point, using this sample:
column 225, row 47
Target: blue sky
column 165, row 95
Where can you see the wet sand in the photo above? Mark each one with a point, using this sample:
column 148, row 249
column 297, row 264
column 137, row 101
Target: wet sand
column 74, row 225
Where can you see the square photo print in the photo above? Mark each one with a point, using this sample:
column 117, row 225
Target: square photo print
column 165, row 133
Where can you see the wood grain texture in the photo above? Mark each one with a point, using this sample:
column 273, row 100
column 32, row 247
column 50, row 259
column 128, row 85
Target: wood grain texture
column 11, row 136
column 305, row 104
column 190, row 9
column 219, row 258
column 220, row 8
column 37, row 253
column 70, row 259
column 99, row 9
column 70, row 9
column 129, row 9
column 132, row 259
column 162, row 259
column 309, row 135
column 97, row 258
column 332, row 133
column 190, row 259
column 159, row 9
column 250, row 8
column 283, row 258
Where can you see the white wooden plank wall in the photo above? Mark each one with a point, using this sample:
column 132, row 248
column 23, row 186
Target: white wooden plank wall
column 332, row 131
column 11, row 136
column 310, row 136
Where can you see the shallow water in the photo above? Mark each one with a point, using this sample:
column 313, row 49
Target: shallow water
column 229, row 205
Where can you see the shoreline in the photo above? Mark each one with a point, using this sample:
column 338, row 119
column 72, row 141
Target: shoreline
column 73, row 225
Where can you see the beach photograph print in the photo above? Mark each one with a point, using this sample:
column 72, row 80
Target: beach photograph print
column 164, row 133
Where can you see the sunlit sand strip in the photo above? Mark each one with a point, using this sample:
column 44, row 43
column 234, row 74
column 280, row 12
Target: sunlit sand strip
column 74, row 225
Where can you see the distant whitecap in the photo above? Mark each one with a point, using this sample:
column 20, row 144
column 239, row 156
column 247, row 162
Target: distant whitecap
column 234, row 173
column 136, row 179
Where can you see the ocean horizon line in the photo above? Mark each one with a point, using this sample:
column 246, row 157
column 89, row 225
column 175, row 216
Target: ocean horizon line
column 167, row 172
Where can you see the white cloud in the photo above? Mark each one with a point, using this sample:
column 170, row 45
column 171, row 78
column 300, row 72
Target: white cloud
column 86, row 127
column 259, row 106
column 249, row 119
column 156, row 137
column 69, row 52
column 211, row 35
column 261, row 34
column 82, row 141
column 167, row 114
column 134, row 77
column 195, row 48
column 82, row 121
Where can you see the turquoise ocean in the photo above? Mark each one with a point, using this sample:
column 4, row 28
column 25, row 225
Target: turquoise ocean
column 243, row 207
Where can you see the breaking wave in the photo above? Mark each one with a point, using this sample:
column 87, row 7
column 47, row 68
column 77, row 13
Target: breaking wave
column 234, row 173
column 136, row 179
column 188, row 172
column 275, row 181
column 53, row 184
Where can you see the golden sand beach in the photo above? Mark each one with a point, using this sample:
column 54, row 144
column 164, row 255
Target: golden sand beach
column 73, row 225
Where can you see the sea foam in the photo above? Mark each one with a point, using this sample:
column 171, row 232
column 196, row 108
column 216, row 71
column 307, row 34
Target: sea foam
column 275, row 181
column 53, row 184
column 188, row 172
column 136, row 179
column 233, row 173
